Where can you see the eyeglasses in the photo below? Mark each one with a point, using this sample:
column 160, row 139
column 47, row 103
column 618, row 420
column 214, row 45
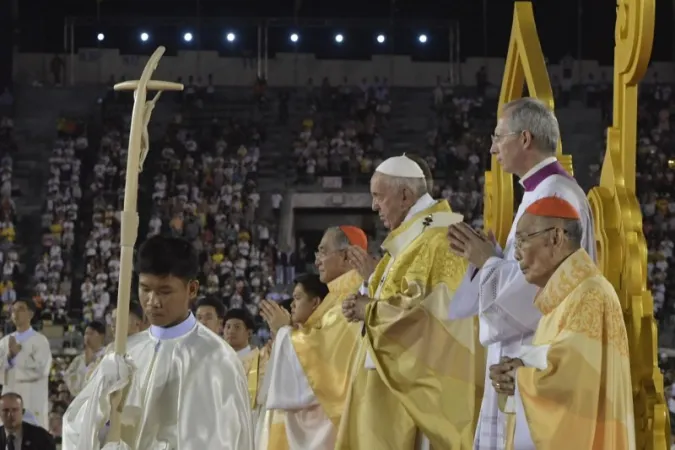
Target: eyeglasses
column 322, row 254
column 520, row 240
column 498, row 137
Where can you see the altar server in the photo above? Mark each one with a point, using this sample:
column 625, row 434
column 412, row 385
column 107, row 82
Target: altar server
column 27, row 361
column 188, row 389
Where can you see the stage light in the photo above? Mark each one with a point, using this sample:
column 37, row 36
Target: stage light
column 230, row 37
column 339, row 38
column 145, row 37
column 381, row 38
column 100, row 37
column 422, row 38
column 187, row 37
column 294, row 37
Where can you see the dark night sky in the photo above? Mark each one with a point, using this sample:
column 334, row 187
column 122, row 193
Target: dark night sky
column 41, row 26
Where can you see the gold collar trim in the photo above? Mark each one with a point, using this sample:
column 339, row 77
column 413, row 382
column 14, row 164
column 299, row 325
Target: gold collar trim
column 437, row 215
column 575, row 269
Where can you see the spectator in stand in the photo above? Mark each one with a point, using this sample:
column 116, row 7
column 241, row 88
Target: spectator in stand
column 206, row 192
column 53, row 273
column 9, row 256
column 354, row 146
column 102, row 246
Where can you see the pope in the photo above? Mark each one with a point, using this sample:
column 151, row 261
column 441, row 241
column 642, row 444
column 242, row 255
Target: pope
column 418, row 376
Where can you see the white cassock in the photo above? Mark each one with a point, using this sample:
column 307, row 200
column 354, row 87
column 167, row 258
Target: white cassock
column 287, row 389
column 504, row 300
column 27, row 374
column 188, row 392
column 75, row 375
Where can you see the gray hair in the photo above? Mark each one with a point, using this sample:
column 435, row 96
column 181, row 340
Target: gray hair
column 533, row 115
column 418, row 186
column 574, row 231
column 340, row 239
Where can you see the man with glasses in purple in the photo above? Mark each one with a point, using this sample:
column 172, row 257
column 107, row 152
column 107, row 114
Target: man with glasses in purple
column 524, row 143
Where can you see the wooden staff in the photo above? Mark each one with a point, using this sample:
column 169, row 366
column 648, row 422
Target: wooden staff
column 138, row 149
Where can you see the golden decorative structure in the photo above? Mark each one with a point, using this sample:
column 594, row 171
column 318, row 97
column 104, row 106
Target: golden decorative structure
column 525, row 65
column 622, row 249
column 138, row 150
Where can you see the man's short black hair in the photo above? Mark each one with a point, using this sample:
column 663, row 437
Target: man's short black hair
column 312, row 285
column 168, row 256
column 213, row 302
column 10, row 394
column 30, row 304
column 97, row 326
column 241, row 314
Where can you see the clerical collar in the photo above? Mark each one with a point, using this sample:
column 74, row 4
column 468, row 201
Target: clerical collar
column 244, row 351
column 175, row 331
column 548, row 167
column 422, row 203
column 537, row 167
column 21, row 336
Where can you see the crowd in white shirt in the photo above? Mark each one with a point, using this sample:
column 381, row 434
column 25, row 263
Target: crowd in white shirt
column 9, row 257
column 53, row 273
column 340, row 137
column 102, row 246
column 206, row 192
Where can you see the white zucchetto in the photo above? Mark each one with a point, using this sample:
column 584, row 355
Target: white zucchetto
column 400, row 166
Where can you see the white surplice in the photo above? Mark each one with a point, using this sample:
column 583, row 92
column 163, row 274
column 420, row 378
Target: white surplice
column 287, row 389
column 504, row 300
column 27, row 374
column 258, row 411
column 75, row 375
column 188, row 392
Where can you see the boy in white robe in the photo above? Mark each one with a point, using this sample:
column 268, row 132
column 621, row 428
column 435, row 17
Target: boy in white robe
column 94, row 348
column 188, row 390
column 26, row 361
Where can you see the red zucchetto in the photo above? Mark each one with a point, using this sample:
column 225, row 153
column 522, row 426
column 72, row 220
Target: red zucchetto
column 554, row 207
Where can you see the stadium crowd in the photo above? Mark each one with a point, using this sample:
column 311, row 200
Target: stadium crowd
column 204, row 188
column 341, row 133
column 53, row 273
column 9, row 255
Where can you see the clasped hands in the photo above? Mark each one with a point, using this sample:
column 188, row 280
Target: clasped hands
column 475, row 246
column 354, row 307
column 503, row 375
column 275, row 316
column 14, row 347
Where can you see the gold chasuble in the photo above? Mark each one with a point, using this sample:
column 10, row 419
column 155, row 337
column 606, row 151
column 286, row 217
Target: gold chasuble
column 424, row 374
column 580, row 396
column 326, row 345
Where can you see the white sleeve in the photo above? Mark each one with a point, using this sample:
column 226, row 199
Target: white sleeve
column 288, row 387
column 87, row 414
column 464, row 303
column 217, row 399
column 506, row 302
column 39, row 363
